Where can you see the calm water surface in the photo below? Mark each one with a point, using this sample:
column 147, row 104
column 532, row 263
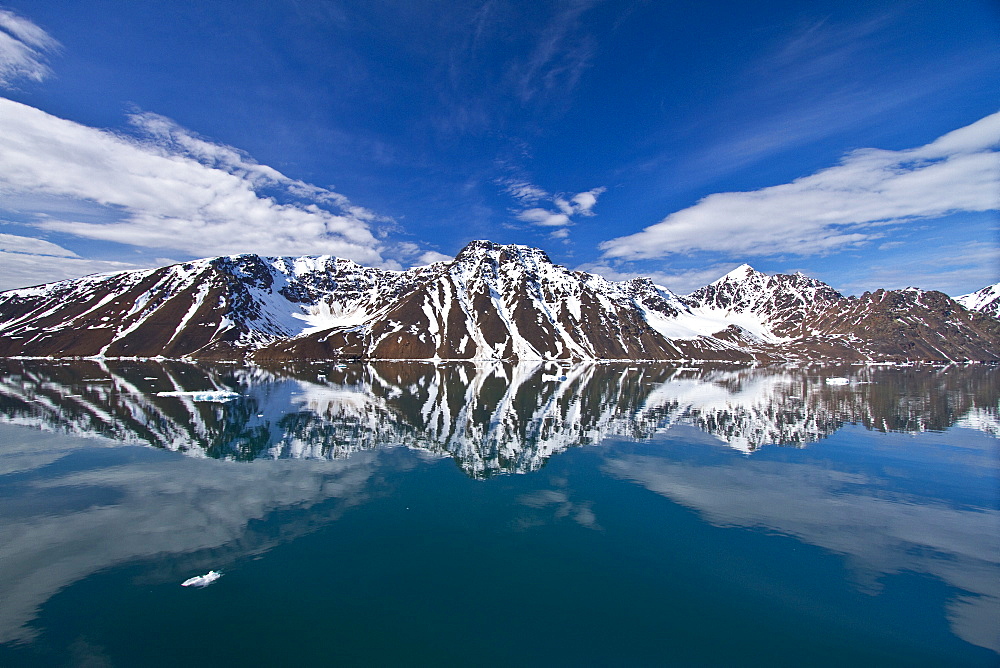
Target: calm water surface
column 418, row 514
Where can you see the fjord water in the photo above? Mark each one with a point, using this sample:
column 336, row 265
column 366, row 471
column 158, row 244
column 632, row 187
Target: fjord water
column 460, row 514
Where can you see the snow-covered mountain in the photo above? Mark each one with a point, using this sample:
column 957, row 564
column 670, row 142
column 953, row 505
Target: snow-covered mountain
column 491, row 302
column 772, row 308
column 506, row 302
column 512, row 302
column 213, row 308
column 985, row 301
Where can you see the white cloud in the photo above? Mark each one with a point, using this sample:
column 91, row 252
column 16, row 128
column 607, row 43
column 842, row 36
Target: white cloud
column 825, row 79
column 23, row 49
column 172, row 191
column 10, row 243
column 583, row 203
column 563, row 205
column 838, row 207
column 543, row 217
column 430, row 257
column 578, row 204
column 19, row 269
column 181, row 141
column 413, row 255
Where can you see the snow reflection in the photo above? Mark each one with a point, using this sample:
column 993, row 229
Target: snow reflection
column 491, row 418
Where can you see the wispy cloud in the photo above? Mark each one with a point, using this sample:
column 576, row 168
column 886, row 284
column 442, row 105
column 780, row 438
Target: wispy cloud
column 560, row 56
column 415, row 255
column 544, row 218
column 838, row 207
column 824, row 79
column 176, row 140
column 523, row 191
column 26, row 261
column 505, row 58
column 24, row 49
column 558, row 209
column 952, row 269
column 557, row 501
column 173, row 190
column 20, row 269
column 681, row 282
column 10, row 243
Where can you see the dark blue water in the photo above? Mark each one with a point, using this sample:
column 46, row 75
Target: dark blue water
column 429, row 516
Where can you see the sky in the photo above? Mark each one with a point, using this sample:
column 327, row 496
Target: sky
column 855, row 141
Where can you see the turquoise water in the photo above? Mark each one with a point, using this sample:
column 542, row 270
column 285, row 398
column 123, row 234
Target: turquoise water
column 462, row 515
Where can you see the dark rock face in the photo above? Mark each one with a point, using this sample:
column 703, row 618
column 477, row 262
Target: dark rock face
column 492, row 302
column 913, row 324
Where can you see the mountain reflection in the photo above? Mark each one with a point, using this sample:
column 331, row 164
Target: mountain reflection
column 492, row 418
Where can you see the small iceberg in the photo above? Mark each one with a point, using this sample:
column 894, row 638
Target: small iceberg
column 210, row 395
column 202, row 580
column 838, row 381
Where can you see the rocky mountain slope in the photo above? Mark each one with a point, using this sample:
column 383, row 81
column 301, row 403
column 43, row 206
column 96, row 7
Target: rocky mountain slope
column 491, row 302
column 506, row 302
column 213, row 308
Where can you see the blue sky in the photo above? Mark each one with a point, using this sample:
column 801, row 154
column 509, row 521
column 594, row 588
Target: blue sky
column 854, row 141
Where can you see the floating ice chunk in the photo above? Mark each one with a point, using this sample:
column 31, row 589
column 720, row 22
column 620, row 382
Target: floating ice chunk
column 838, row 381
column 202, row 580
column 211, row 395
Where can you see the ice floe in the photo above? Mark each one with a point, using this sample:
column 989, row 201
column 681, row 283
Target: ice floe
column 209, row 395
column 202, row 580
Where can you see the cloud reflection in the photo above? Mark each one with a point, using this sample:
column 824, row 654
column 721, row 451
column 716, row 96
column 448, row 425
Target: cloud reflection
column 852, row 513
column 64, row 526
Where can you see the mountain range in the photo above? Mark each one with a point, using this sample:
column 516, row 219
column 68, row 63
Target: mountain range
column 492, row 302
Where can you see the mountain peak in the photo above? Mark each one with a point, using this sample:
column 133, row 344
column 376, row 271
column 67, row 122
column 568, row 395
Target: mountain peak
column 481, row 248
column 740, row 273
